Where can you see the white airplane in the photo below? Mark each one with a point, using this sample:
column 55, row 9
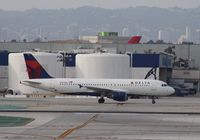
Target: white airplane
column 116, row 89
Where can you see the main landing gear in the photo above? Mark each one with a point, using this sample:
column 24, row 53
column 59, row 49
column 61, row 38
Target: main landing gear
column 101, row 100
column 153, row 100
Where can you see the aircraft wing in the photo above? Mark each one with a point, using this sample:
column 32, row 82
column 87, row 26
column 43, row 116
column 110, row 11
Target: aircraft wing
column 102, row 90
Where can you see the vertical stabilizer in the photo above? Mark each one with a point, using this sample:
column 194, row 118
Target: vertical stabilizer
column 135, row 40
column 34, row 69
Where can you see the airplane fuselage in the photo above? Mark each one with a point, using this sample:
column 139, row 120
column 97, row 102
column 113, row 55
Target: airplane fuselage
column 130, row 86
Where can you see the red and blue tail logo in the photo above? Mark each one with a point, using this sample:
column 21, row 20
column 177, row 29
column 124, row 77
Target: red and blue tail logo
column 34, row 69
column 135, row 40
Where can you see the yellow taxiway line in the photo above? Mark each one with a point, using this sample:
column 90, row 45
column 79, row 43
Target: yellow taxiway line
column 69, row 131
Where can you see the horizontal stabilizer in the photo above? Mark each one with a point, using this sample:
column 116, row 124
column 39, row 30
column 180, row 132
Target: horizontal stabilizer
column 31, row 82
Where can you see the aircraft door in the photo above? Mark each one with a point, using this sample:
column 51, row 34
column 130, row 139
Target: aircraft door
column 52, row 86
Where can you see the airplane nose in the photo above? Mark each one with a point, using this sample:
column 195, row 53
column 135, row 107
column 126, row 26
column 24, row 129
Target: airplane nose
column 172, row 90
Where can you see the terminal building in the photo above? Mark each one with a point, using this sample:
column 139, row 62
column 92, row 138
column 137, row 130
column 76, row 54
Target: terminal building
column 95, row 65
column 118, row 66
column 179, row 62
column 111, row 38
column 3, row 70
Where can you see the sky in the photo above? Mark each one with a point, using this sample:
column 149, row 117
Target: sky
column 108, row 4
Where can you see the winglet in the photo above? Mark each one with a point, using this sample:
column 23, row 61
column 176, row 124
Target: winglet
column 34, row 69
column 152, row 72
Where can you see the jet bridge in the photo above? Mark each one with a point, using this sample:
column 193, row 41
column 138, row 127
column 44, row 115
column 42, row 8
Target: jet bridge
column 141, row 64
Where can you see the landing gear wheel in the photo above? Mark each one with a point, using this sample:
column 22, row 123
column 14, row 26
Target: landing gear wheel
column 101, row 100
column 153, row 101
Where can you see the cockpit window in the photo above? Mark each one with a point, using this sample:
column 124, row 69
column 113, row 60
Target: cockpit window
column 164, row 85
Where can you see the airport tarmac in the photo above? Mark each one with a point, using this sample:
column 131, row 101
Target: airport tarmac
column 72, row 118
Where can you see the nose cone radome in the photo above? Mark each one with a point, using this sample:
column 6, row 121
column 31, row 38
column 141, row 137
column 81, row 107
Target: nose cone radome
column 171, row 90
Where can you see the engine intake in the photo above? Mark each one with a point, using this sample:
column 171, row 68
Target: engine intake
column 120, row 96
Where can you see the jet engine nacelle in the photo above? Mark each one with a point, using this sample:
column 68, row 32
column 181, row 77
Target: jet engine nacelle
column 120, row 96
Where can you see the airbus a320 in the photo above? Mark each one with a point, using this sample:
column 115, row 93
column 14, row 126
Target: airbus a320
column 116, row 89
